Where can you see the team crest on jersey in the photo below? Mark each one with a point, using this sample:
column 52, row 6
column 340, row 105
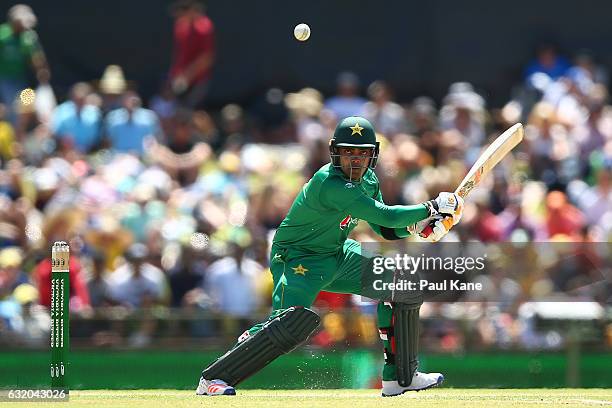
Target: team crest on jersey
column 348, row 220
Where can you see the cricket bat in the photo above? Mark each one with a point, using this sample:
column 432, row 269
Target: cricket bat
column 486, row 162
column 490, row 158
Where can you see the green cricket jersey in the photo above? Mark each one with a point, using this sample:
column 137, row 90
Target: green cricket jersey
column 16, row 52
column 329, row 206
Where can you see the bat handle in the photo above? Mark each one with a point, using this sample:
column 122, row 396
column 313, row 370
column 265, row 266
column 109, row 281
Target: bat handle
column 426, row 231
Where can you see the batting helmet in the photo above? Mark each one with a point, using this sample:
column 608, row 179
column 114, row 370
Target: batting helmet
column 354, row 131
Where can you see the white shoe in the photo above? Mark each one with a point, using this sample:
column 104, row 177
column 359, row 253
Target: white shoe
column 420, row 381
column 214, row 387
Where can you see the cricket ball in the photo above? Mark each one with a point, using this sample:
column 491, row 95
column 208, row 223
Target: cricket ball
column 301, row 32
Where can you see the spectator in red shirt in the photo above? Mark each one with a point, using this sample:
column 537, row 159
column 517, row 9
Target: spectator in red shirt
column 562, row 218
column 79, row 295
column 484, row 225
column 194, row 52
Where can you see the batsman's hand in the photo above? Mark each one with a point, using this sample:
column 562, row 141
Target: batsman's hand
column 419, row 227
column 446, row 204
column 436, row 229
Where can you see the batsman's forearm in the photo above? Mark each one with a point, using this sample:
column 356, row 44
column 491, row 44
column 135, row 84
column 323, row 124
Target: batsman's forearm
column 391, row 216
column 390, row 233
column 401, row 232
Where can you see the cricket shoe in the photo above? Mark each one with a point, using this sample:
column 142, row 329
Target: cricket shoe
column 420, row 381
column 214, row 387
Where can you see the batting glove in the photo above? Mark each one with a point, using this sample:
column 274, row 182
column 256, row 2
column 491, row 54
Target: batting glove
column 437, row 228
column 446, row 204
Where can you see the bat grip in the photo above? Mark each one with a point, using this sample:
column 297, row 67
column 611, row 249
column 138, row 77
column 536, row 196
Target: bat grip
column 426, row 231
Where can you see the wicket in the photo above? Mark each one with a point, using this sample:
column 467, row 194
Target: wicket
column 60, row 313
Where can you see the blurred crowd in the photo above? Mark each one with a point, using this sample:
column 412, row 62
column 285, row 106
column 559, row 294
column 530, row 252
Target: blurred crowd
column 169, row 208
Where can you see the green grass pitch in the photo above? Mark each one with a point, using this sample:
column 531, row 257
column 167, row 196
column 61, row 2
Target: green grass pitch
column 442, row 397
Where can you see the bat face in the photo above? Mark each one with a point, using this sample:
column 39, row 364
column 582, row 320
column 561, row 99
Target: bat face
column 490, row 158
column 485, row 163
column 466, row 188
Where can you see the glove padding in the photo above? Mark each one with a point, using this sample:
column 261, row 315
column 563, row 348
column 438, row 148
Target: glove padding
column 419, row 227
column 446, row 204
column 436, row 228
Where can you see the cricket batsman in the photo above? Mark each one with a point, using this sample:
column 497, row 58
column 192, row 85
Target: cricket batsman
column 311, row 252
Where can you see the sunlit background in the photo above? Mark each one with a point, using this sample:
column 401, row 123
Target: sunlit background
column 177, row 151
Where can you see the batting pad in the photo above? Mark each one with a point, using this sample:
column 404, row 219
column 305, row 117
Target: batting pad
column 406, row 329
column 278, row 336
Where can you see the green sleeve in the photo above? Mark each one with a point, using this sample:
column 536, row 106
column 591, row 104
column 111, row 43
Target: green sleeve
column 392, row 216
column 353, row 201
column 31, row 43
column 397, row 233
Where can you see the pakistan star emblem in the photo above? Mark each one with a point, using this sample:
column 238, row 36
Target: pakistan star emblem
column 356, row 129
column 300, row 270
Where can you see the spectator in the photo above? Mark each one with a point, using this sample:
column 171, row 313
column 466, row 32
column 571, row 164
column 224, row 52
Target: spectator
column 11, row 274
column 547, row 66
column 97, row 284
column 31, row 326
column 423, row 115
column 422, row 119
column 596, row 201
column 498, row 288
column 194, row 52
column 232, row 280
column 463, row 111
column 513, row 219
column 184, row 154
column 77, row 123
column 233, row 123
column 164, row 104
column 79, row 296
column 347, row 101
column 186, row 275
column 137, row 283
column 586, row 72
column 112, row 86
column 7, row 137
column 19, row 48
column 488, row 227
column 142, row 211
column 592, row 134
column 273, row 123
column 385, row 115
column 542, row 134
column 305, row 107
column 131, row 127
column 206, row 130
column 562, row 218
